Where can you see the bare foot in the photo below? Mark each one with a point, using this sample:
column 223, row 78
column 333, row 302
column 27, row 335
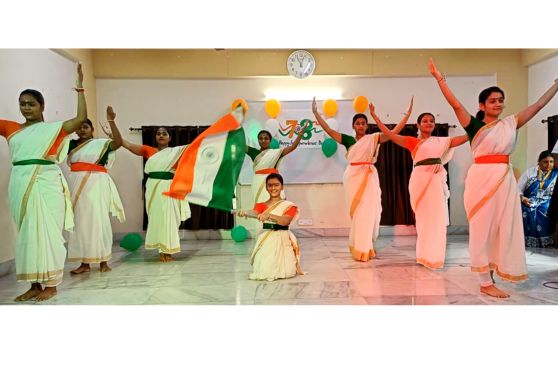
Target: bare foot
column 162, row 257
column 491, row 290
column 105, row 267
column 32, row 292
column 168, row 257
column 47, row 293
column 84, row 268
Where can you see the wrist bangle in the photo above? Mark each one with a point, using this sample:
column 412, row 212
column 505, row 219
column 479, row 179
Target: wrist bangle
column 110, row 121
column 79, row 90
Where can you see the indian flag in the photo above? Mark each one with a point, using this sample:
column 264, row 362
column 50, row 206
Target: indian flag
column 208, row 169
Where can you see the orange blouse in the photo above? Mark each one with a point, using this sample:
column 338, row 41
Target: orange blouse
column 261, row 207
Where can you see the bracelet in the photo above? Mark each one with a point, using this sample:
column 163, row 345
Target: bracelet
column 110, row 121
column 79, row 90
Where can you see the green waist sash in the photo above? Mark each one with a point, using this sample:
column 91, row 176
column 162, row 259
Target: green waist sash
column 161, row 175
column 429, row 161
column 273, row 226
column 32, row 161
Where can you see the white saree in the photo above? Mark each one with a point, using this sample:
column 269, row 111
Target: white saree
column 363, row 196
column 276, row 254
column 164, row 213
column 429, row 194
column 94, row 196
column 496, row 240
column 39, row 203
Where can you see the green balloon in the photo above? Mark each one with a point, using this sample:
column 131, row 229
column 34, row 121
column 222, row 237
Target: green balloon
column 329, row 147
column 131, row 242
column 274, row 144
column 239, row 233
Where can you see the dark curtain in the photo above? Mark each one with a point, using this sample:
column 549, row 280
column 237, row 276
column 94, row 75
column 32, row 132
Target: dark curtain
column 394, row 167
column 552, row 131
column 202, row 217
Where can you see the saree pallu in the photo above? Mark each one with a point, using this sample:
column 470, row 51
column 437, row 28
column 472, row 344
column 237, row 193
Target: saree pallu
column 39, row 202
column 94, row 197
column 165, row 213
column 496, row 240
column 363, row 196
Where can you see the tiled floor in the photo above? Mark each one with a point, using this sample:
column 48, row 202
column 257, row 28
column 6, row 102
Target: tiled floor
column 215, row 272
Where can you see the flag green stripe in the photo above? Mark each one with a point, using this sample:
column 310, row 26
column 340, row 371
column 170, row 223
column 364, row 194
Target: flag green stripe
column 229, row 171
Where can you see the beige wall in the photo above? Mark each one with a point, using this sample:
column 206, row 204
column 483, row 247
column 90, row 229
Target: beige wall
column 85, row 56
column 509, row 66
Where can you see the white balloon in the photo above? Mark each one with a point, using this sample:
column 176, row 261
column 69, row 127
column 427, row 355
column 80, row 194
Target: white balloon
column 333, row 124
column 272, row 125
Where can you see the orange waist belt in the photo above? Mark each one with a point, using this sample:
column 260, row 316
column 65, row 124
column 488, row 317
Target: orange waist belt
column 492, row 159
column 267, row 171
column 87, row 167
column 362, row 163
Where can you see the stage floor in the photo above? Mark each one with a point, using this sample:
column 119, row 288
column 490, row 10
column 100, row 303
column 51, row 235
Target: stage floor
column 214, row 272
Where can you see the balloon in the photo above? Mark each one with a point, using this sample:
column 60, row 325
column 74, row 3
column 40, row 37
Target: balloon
column 272, row 108
column 274, row 144
column 330, row 108
column 271, row 125
column 241, row 102
column 329, row 147
column 333, row 124
column 131, row 242
column 239, row 233
column 360, row 104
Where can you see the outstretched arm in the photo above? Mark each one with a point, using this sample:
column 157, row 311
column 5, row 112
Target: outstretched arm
column 295, row 143
column 70, row 126
column 332, row 133
column 458, row 140
column 115, row 133
column 132, row 147
column 462, row 114
column 527, row 114
column 386, row 133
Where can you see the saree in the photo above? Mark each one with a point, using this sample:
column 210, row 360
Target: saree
column 164, row 213
column 496, row 240
column 39, row 202
column 429, row 194
column 363, row 196
column 537, row 226
column 94, row 197
column 276, row 254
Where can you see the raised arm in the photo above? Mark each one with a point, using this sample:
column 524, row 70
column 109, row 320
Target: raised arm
column 295, row 143
column 527, row 114
column 386, row 133
column 458, row 140
column 70, row 126
column 115, row 133
column 332, row 133
column 462, row 114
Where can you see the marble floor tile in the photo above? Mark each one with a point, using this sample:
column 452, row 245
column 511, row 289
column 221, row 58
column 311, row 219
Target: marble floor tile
column 215, row 272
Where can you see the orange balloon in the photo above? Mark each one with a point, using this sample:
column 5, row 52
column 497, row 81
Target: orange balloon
column 330, row 107
column 242, row 102
column 272, row 108
column 360, row 104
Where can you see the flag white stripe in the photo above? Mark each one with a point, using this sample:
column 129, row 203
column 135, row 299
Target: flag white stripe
column 208, row 161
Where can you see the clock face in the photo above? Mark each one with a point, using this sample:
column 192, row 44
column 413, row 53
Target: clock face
column 301, row 64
